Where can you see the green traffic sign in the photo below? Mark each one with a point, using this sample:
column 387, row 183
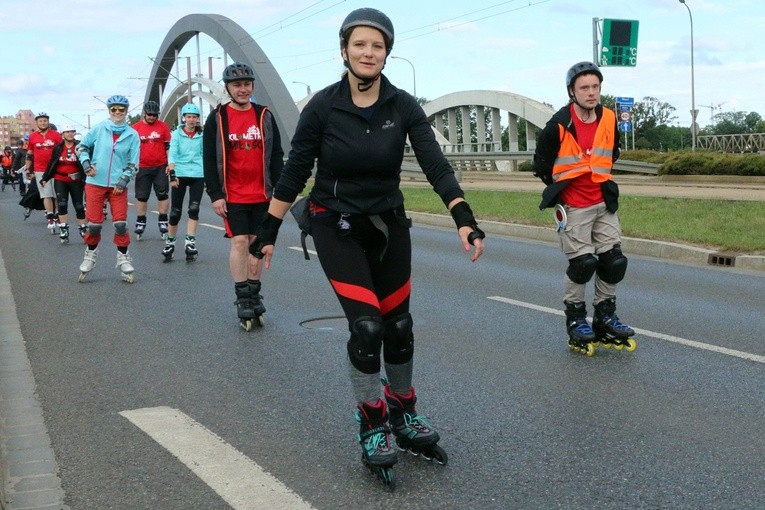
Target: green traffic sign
column 619, row 46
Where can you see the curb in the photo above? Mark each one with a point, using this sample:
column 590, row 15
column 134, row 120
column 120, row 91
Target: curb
column 636, row 246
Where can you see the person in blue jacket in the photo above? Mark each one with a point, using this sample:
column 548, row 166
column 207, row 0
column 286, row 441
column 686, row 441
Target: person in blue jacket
column 186, row 171
column 109, row 155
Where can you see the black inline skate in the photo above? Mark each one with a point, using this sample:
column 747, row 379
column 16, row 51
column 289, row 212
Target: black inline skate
column 168, row 249
column 609, row 330
column 63, row 233
column 140, row 226
column 162, row 224
column 581, row 337
column 377, row 453
column 412, row 430
column 245, row 307
column 190, row 248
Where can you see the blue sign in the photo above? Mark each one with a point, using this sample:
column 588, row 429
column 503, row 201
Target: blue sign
column 625, row 127
column 625, row 101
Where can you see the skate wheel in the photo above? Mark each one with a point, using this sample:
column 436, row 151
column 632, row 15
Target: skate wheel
column 606, row 345
column 631, row 345
column 82, row 277
column 246, row 324
column 618, row 347
column 589, row 351
column 138, row 237
column 128, row 277
column 386, row 477
column 439, row 455
column 261, row 321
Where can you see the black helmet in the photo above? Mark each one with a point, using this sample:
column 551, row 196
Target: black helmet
column 579, row 69
column 151, row 107
column 7, row 148
column 42, row 115
column 368, row 17
column 238, row 71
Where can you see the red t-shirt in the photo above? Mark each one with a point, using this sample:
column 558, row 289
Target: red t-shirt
column 153, row 139
column 67, row 164
column 41, row 146
column 245, row 182
column 582, row 191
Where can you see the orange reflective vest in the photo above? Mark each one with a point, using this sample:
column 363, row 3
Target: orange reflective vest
column 572, row 162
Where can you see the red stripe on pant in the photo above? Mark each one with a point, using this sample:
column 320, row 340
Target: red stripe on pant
column 356, row 293
column 396, row 298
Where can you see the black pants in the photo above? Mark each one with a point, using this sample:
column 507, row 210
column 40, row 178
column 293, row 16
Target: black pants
column 65, row 189
column 196, row 187
column 365, row 284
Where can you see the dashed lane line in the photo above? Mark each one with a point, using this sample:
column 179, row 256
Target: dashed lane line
column 661, row 336
column 238, row 480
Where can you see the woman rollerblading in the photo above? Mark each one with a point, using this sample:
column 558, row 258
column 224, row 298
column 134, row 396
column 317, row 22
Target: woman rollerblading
column 377, row 453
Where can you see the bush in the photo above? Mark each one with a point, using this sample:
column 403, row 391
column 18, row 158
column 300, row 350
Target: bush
column 707, row 163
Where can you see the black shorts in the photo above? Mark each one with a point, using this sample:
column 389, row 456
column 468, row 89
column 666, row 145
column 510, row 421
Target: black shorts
column 242, row 219
column 149, row 177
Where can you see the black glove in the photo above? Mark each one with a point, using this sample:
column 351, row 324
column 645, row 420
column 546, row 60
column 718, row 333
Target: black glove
column 463, row 217
column 265, row 234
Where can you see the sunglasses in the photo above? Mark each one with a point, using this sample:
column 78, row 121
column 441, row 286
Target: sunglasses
column 151, row 114
column 115, row 109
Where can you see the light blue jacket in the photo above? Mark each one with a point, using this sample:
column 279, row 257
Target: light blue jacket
column 115, row 161
column 186, row 154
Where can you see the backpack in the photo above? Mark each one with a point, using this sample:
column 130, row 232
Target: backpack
column 6, row 161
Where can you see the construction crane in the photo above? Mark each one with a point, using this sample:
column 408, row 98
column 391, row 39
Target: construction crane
column 712, row 109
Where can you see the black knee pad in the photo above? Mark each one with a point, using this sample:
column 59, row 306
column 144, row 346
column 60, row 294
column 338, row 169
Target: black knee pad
column 398, row 340
column 162, row 196
column 62, row 208
column 175, row 216
column 94, row 229
column 581, row 268
column 120, row 227
column 612, row 265
column 365, row 343
column 194, row 210
column 79, row 210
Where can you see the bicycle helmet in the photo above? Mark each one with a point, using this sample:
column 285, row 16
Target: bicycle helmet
column 579, row 69
column 7, row 148
column 117, row 99
column 238, row 71
column 151, row 107
column 42, row 115
column 368, row 17
column 190, row 108
column 67, row 127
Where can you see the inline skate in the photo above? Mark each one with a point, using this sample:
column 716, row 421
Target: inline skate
column 88, row 263
column 63, row 233
column 124, row 264
column 190, row 248
column 162, row 224
column 82, row 228
column 377, row 453
column 52, row 225
column 245, row 307
column 169, row 248
column 581, row 337
column 412, row 430
column 140, row 226
column 609, row 330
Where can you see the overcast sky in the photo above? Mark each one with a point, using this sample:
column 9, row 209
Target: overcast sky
column 59, row 55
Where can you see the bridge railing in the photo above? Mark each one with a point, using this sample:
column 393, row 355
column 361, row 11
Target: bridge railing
column 487, row 161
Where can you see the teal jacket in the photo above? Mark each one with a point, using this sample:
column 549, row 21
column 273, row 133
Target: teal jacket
column 116, row 160
column 186, row 154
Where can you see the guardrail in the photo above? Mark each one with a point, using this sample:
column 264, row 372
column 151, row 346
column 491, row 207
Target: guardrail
column 487, row 161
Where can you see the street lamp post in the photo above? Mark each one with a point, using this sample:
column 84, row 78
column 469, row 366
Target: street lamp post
column 307, row 87
column 414, row 76
column 693, row 84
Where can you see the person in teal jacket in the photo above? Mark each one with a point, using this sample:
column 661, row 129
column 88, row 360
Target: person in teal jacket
column 109, row 155
column 186, row 171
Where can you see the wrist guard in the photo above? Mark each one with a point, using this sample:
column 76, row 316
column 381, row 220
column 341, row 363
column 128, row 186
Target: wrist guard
column 463, row 217
column 265, row 234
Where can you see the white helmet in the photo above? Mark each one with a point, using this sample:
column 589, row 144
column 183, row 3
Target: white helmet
column 67, row 127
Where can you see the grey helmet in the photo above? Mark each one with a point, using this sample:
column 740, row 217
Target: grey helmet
column 579, row 69
column 368, row 17
column 151, row 107
column 238, row 71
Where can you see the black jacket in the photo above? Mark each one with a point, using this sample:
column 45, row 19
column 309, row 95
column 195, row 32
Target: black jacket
column 548, row 145
column 358, row 161
column 58, row 149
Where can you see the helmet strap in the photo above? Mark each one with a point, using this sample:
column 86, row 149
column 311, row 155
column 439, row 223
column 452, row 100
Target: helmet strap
column 364, row 83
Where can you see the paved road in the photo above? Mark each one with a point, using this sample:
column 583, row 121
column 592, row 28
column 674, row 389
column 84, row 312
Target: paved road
column 527, row 424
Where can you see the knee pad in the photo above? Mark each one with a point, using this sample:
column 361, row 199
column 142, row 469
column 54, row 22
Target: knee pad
column 62, row 208
column 120, row 227
column 162, row 196
column 612, row 265
column 194, row 210
column 398, row 339
column 175, row 216
column 581, row 268
column 94, row 229
column 79, row 210
column 365, row 343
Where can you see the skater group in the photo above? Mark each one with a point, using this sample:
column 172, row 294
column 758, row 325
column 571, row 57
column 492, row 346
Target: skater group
column 353, row 134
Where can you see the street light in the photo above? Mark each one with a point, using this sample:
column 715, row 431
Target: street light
column 307, row 87
column 693, row 84
column 414, row 76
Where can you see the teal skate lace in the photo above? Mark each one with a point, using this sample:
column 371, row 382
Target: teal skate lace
column 417, row 422
column 375, row 440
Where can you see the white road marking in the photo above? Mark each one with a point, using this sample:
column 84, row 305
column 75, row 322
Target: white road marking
column 645, row 332
column 237, row 479
column 300, row 249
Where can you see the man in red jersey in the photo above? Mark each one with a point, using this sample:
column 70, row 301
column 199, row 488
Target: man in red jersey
column 574, row 156
column 243, row 158
column 155, row 142
column 39, row 152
